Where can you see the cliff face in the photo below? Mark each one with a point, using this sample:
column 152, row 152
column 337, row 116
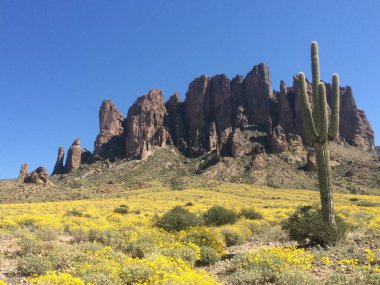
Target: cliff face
column 110, row 141
column 212, row 114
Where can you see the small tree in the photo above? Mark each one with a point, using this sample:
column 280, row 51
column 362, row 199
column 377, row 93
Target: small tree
column 318, row 131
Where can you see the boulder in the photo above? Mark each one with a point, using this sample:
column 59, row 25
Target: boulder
column 240, row 144
column 277, row 140
column 311, row 162
column 258, row 161
column 257, row 148
column 295, row 142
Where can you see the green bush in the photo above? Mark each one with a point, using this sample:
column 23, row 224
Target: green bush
column 251, row 214
column 136, row 273
column 232, row 237
column 74, row 213
column 122, row 209
column 206, row 237
column 218, row 215
column 265, row 275
column 306, row 226
column 47, row 233
column 177, row 219
column 135, row 251
column 34, row 264
column 208, row 256
column 33, row 245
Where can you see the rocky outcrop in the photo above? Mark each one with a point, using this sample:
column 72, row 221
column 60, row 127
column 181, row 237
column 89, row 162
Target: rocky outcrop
column 59, row 167
column 145, row 122
column 212, row 137
column 86, row 156
column 174, row 120
column 354, row 127
column 24, row 169
column 295, row 142
column 144, row 152
column 311, row 162
column 240, row 144
column 74, row 156
column 277, row 140
column 38, row 176
column 109, row 143
column 241, row 120
column 258, row 93
column 216, row 115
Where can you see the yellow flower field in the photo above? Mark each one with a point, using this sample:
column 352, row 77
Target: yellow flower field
column 88, row 242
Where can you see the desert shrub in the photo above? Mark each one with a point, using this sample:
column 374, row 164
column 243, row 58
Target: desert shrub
column 367, row 204
column 251, row 214
column 135, row 251
column 52, row 278
column 32, row 245
column 265, row 275
column 278, row 265
column 205, row 237
column 208, row 256
column 98, row 278
column 47, row 233
column 74, row 213
column 78, row 235
column 28, row 222
column 34, row 264
column 358, row 277
column 136, row 272
column 62, row 258
column 218, row 215
column 122, row 209
column 306, row 226
column 113, row 238
column 177, row 219
column 232, row 237
column 188, row 252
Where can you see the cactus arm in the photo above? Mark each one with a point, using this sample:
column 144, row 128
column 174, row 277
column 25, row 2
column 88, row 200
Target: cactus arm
column 310, row 132
column 335, row 108
column 316, row 79
column 322, row 113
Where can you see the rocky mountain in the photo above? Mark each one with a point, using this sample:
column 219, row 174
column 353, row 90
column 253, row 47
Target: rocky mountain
column 211, row 118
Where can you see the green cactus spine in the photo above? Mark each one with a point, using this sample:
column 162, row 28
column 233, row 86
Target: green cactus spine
column 318, row 131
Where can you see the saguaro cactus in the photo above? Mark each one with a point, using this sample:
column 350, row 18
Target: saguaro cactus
column 318, row 131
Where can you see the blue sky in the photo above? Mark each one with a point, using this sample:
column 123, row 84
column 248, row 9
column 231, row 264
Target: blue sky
column 60, row 59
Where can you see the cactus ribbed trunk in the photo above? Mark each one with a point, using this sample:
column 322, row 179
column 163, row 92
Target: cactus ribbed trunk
column 324, row 178
column 318, row 131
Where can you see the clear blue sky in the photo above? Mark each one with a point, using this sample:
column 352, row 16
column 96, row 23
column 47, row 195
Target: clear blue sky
column 60, row 59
